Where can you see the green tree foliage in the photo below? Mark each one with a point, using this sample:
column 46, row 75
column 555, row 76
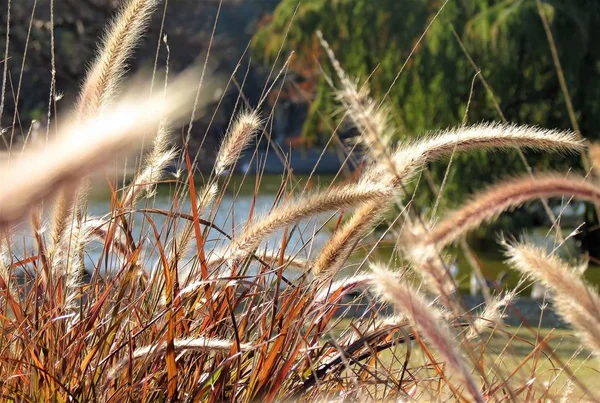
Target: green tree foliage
column 506, row 39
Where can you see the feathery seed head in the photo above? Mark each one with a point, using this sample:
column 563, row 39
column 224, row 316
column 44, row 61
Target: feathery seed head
column 429, row 322
column 577, row 302
column 492, row 315
column 348, row 196
column 505, row 196
column 39, row 173
column 237, row 139
column 122, row 35
column 485, row 136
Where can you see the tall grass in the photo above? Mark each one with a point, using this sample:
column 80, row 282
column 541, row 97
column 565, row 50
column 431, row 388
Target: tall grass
column 189, row 311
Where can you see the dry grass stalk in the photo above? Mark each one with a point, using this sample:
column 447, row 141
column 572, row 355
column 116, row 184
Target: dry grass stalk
column 200, row 344
column 236, row 140
column 183, row 241
column 428, row 321
column 497, row 199
column 577, row 302
column 5, row 271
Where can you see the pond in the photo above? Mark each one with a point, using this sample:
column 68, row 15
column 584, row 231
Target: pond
column 235, row 205
column 240, row 201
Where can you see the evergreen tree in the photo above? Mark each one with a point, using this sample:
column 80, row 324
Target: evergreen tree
column 506, row 39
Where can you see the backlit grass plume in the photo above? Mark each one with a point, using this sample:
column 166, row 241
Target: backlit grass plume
column 371, row 120
column 37, row 174
column 575, row 300
column 485, row 136
column 430, row 323
column 121, row 37
column 337, row 249
column 348, row 196
column 407, row 159
column 236, row 140
column 497, row 199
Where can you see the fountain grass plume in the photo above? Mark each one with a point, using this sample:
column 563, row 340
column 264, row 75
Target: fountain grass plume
column 428, row 321
column 156, row 164
column 575, row 301
column 348, row 196
column 39, row 173
column 371, row 120
column 242, row 131
column 487, row 205
column 594, row 154
column 485, row 136
column 337, row 248
column 343, row 286
column 121, row 37
column 492, row 315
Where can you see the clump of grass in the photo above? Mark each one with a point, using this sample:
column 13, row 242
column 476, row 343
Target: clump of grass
column 179, row 308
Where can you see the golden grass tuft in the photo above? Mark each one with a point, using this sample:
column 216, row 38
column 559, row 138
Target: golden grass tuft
column 237, row 139
column 348, row 196
column 577, row 302
column 499, row 198
column 429, row 322
column 107, row 71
